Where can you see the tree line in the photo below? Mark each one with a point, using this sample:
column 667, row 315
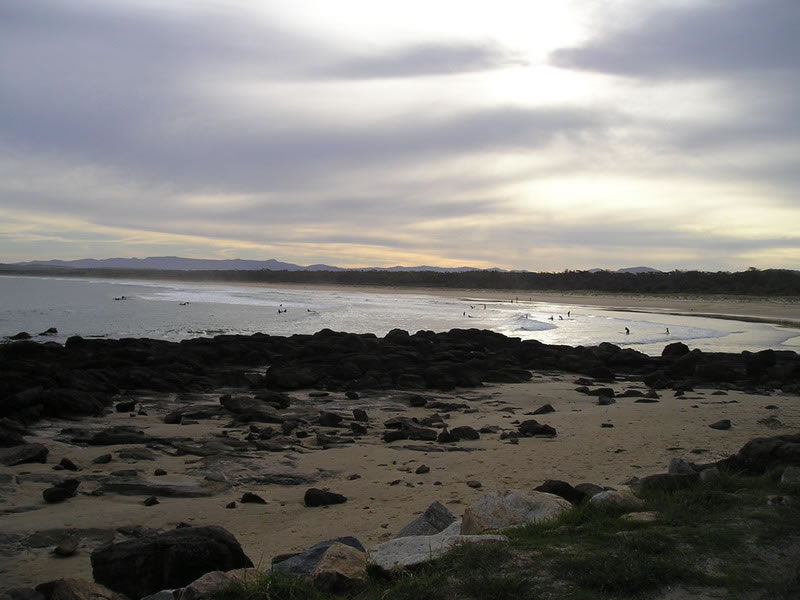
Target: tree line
column 752, row 282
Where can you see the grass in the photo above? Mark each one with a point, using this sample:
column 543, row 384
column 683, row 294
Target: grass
column 722, row 537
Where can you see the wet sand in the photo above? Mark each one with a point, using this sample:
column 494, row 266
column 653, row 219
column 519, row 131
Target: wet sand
column 387, row 493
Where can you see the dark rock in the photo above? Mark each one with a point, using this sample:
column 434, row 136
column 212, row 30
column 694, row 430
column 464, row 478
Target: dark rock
column 474, row 484
column 417, row 401
column 589, row 489
column 20, row 455
column 102, row 459
column 393, row 436
column 329, row 419
column 760, row 455
column 167, row 560
column 668, row 482
column 646, row 401
column 120, row 434
column 22, row 335
column 251, row 498
column 674, row 350
column 136, row 454
column 67, row 464
column 358, row 429
column 543, row 410
column 420, row 470
column 722, row 424
column 465, row 433
column 126, row 406
column 352, row 395
column 134, row 487
column 61, row 491
column 230, row 505
column 50, row 331
column 606, row 400
column 445, row 437
column 360, row 415
column 159, row 472
column 21, row 594
column 305, row 562
column 150, row 501
column 533, row 427
column 67, row 547
column 251, row 409
column 435, row 519
column 563, row 489
column 317, row 497
column 607, row 425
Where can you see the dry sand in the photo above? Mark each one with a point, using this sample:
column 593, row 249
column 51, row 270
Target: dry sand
column 643, row 440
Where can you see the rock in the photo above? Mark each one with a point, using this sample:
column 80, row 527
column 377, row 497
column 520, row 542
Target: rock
column 417, row 401
column 533, row 427
column 135, row 487
column 251, row 498
column 435, row 519
column 213, row 583
column 721, row 425
column 317, row 497
column 20, row 455
column 21, row 594
column 790, row 479
column 251, row 409
column 474, row 484
column 590, row 489
column 329, row 419
column 120, row 434
column 760, row 455
column 618, row 497
column 640, row 517
column 422, row 469
column 393, row 436
column 668, row 482
column 166, row 560
column 68, row 464
column 352, row 395
column 61, row 491
column 563, row 490
column 338, row 567
column 606, row 400
column 543, row 410
column 22, row 335
column 465, row 433
column 405, row 552
column 360, row 415
column 125, row 406
column 305, row 562
column 50, row 331
column 358, row 429
column 681, row 467
column 151, row 501
column 159, row 472
column 102, row 459
column 510, row 509
column 675, row 350
column 136, row 454
column 231, row 504
column 76, row 589
column 445, row 437
column 67, row 547
column 710, row 474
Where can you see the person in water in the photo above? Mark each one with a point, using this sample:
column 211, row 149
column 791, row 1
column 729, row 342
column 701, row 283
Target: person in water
column 667, row 331
column 627, row 331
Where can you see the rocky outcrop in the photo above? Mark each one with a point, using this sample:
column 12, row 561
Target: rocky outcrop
column 76, row 589
column 306, row 561
column 167, row 560
column 511, row 509
column 764, row 454
column 435, row 519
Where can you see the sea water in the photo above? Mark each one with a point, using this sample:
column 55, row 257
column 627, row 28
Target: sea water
column 177, row 310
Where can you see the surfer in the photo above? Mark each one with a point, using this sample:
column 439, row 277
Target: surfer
column 627, row 331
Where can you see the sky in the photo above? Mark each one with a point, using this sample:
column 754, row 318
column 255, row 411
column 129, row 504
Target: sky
column 547, row 135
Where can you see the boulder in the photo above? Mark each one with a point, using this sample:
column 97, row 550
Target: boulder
column 61, row 491
column 532, row 427
column 511, row 509
column 338, row 567
column 543, row 410
column 562, row 489
column 722, row 425
column 435, row 519
column 465, row 432
column 405, row 552
column 668, row 482
column 212, row 583
column 790, row 479
column 764, row 454
column 317, row 497
column 20, row 455
column 172, row 559
column 617, row 497
column 251, row 409
column 21, row 594
column 306, row 561
column 680, row 467
column 329, row 419
column 76, row 589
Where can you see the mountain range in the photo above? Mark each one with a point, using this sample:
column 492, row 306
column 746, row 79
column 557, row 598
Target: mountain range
column 177, row 263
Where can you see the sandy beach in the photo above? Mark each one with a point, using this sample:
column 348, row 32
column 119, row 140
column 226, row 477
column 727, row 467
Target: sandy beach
column 384, row 493
column 779, row 310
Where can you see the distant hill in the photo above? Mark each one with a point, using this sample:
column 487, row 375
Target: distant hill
column 177, row 263
column 628, row 270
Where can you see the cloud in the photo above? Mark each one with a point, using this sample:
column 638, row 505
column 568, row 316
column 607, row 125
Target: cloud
column 425, row 59
column 695, row 40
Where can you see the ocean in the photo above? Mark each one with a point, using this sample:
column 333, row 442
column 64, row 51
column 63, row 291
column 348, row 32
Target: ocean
column 177, row 310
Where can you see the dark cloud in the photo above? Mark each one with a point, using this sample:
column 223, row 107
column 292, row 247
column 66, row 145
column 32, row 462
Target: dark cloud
column 696, row 39
column 425, row 60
